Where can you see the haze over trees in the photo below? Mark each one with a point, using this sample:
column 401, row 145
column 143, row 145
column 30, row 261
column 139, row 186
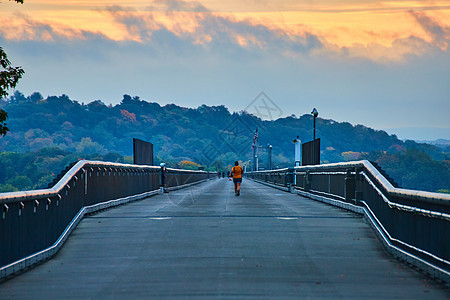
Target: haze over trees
column 57, row 129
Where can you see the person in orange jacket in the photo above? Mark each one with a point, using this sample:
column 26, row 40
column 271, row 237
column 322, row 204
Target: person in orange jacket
column 237, row 172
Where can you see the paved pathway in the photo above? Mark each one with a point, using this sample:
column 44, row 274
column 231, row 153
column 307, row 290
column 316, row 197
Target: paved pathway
column 203, row 242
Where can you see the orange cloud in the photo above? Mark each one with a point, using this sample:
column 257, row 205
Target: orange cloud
column 375, row 29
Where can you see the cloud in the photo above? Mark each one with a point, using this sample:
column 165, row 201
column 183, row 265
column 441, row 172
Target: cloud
column 439, row 34
column 211, row 31
column 139, row 27
column 402, row 50
column 189, row 28
column 388, row 9
column 192, row 56
column 184, row 6
column 23, row 27
column 224, row 34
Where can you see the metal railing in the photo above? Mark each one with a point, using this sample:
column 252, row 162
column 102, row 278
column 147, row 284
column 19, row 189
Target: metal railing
column 413, row 225
column 35, row 224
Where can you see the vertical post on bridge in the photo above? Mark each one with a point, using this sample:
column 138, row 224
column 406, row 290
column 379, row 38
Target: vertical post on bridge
column 297, row 148
column 162, row 178
column 350, row 186
column 269, row 167
column 358, row 185
column 297, row 143
column 315, row 113
column 254, row 159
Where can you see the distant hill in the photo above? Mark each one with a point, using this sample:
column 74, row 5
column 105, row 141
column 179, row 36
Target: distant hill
column 438, row 142
column 207, row 135
column 179, row 132
column 420, row 134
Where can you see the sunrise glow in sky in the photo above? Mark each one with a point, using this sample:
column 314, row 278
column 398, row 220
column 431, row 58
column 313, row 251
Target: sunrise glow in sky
column 383, row 64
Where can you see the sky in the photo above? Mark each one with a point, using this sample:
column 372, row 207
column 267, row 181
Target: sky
column 382, row 64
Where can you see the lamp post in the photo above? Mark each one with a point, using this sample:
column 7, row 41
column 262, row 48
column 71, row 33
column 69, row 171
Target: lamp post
column 315, row 113
column 270, row 157
column 297, row 148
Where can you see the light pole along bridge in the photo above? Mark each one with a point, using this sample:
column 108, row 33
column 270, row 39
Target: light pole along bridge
column 329, row 231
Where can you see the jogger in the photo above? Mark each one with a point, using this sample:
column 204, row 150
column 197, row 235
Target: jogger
column 237, row 172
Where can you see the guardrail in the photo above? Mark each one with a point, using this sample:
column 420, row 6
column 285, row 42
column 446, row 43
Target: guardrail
column 35, row 224
column 413, row 225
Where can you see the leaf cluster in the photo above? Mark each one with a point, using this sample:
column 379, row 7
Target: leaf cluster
column 9, row 77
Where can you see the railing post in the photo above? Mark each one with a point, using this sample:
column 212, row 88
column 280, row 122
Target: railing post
column 350, row 183
column 358, row 185
column 289, row 178
column 307, row 181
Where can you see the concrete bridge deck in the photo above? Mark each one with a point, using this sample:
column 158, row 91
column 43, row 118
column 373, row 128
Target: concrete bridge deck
column 203, row 242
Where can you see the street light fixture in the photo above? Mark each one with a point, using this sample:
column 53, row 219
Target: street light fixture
column 315, row 113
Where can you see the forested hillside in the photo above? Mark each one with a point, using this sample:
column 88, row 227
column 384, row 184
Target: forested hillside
column 208, row 135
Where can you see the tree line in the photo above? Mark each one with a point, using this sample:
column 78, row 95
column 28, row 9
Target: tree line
column 210, row 136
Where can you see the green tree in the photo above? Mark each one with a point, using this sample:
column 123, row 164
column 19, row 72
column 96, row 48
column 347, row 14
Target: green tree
column 9, row 76
column 3, row 128
column 5, row 188
column 22, row 183
column 86, row 145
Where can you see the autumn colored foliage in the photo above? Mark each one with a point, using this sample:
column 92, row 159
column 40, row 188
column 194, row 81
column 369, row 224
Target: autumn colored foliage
column 189, row 137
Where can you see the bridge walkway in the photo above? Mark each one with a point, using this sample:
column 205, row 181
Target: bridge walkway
column 204, row 242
